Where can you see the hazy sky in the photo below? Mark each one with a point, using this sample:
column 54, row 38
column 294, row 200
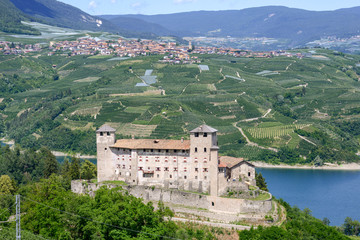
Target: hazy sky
column 172, row 6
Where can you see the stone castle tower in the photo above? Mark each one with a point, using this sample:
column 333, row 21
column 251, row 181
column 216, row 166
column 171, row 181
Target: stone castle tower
column 204, row 150
column 105, row 137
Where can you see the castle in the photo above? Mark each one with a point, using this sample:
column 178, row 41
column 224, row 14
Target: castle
column 192, row 165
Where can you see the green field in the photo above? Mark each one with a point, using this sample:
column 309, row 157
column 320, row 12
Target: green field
column 307, row 94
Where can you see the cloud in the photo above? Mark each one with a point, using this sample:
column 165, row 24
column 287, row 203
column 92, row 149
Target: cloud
column 136, row 5
column 184, row 1
column 92, row 5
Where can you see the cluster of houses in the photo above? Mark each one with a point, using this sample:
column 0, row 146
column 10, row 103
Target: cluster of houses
column 173, row 53
column 9, row 48
column 121, row 47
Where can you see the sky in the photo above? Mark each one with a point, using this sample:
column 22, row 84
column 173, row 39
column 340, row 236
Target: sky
column 150, row 7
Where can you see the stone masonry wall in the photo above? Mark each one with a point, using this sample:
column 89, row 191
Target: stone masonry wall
column 213, row 203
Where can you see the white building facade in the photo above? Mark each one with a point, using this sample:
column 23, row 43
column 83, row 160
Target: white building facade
column 192, row 165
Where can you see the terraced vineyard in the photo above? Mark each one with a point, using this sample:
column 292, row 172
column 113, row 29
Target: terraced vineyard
column 310, row 100
column 273, row 132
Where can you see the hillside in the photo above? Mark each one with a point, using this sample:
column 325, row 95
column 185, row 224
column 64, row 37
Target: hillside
column 63, row 15
column 11, row 17
column 300, row 26
column 56, row 13
column 306, row 108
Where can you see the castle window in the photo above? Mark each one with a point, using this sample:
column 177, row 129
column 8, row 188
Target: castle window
column 101, row 134
column 249, row 174
column 166, row 169
column 195, row 177
column 157, row 169
column 196, row 134
column 175, row 169
column 129, row 167
column 108, row 133
column 123, row 166
column 205, row 177
column 212, row 204
column 204, row 149
column 157, row 175
column 205, row 170
column 196, row 169
column 140, row 168
column 118, row 166
column 185, row 177
column 196, row 149
column 205, row 135
column 105, row 149
column 170, row 177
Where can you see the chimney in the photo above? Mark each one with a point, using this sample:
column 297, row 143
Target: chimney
column 182, row 139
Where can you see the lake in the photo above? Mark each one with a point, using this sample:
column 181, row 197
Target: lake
column 327, row 193
column 61, row 159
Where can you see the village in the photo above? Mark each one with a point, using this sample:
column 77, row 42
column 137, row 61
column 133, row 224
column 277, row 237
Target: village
column 174, row 53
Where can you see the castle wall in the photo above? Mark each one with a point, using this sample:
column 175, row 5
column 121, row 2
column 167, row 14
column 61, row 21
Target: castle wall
column 212, row 203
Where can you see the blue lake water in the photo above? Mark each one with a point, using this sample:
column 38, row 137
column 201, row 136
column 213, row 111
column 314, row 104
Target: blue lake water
column 61, row 159
column 327, row 193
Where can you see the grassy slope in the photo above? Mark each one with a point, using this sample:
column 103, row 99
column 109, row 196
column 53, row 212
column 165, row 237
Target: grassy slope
column 192, row 98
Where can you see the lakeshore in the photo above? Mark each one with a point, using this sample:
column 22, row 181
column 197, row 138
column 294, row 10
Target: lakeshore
column 77, row 155
column 326, row 166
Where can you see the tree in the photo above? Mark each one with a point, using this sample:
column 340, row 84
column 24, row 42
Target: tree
column 351, row 227
column 51, row 165
column 326, row 221
column 260, row 182
column 75, row 168
column 88, row 170
column 7, row 186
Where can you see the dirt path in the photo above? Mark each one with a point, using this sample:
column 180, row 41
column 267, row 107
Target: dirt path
column 196, row 77
column 287, row 68
column 222, row 76
column 250, row 143
column 253, row 119
column 307, row 140
column 222, row 225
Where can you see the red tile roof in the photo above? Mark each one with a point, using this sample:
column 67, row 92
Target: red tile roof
column 152, row 144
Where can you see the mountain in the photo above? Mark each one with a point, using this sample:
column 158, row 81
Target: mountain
column 138, row 25
column 56, row 13
column 63, row 15
column 300, row 26
column 11, row 17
